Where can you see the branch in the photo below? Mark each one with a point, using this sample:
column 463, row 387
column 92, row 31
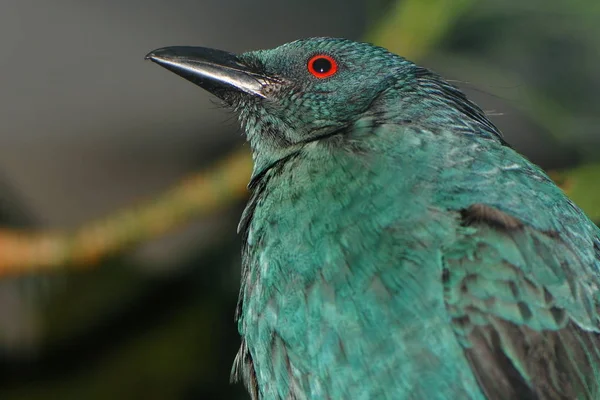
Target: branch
column 216, row 188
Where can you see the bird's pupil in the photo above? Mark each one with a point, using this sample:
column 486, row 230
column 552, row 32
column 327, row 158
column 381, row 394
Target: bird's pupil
column 322, row 65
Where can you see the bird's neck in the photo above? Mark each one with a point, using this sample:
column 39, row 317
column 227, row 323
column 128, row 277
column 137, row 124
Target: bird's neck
column 327, row 186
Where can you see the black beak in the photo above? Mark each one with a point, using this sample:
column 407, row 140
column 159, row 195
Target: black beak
column 217, row 71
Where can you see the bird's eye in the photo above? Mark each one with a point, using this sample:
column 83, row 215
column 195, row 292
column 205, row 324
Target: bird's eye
column 322, row 66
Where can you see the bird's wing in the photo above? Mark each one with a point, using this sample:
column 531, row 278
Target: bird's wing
column 524, row 305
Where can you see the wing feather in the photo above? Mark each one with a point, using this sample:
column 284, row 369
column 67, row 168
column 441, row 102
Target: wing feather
column 522, row 307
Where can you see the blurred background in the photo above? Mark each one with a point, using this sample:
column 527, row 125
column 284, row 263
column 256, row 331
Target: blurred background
column 111, row 285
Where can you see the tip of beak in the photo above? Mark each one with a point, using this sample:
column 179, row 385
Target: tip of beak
column 156, row 55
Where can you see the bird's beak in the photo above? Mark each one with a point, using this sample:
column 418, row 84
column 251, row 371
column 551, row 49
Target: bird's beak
column 217, row 71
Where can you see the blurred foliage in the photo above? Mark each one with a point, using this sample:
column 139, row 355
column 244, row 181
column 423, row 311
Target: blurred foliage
column 116, row 335
column 115, row 332
column 413, row 27
column 583, row 185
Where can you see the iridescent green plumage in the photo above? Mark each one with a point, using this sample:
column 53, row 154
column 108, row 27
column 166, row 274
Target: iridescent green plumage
column 396, row 247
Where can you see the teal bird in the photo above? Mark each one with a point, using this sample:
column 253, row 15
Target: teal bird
column 395, row 246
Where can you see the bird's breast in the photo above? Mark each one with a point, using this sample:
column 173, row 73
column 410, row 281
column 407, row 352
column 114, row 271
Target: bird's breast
column 343, row 288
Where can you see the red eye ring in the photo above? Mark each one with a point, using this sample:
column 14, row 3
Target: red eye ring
column 322, row 66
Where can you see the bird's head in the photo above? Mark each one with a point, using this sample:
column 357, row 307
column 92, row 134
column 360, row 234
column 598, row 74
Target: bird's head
column 293, row 94
column 312, row 89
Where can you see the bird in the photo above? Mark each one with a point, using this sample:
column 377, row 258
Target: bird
column 395, row 246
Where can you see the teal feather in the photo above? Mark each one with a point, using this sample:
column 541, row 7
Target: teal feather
column 396, row 247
